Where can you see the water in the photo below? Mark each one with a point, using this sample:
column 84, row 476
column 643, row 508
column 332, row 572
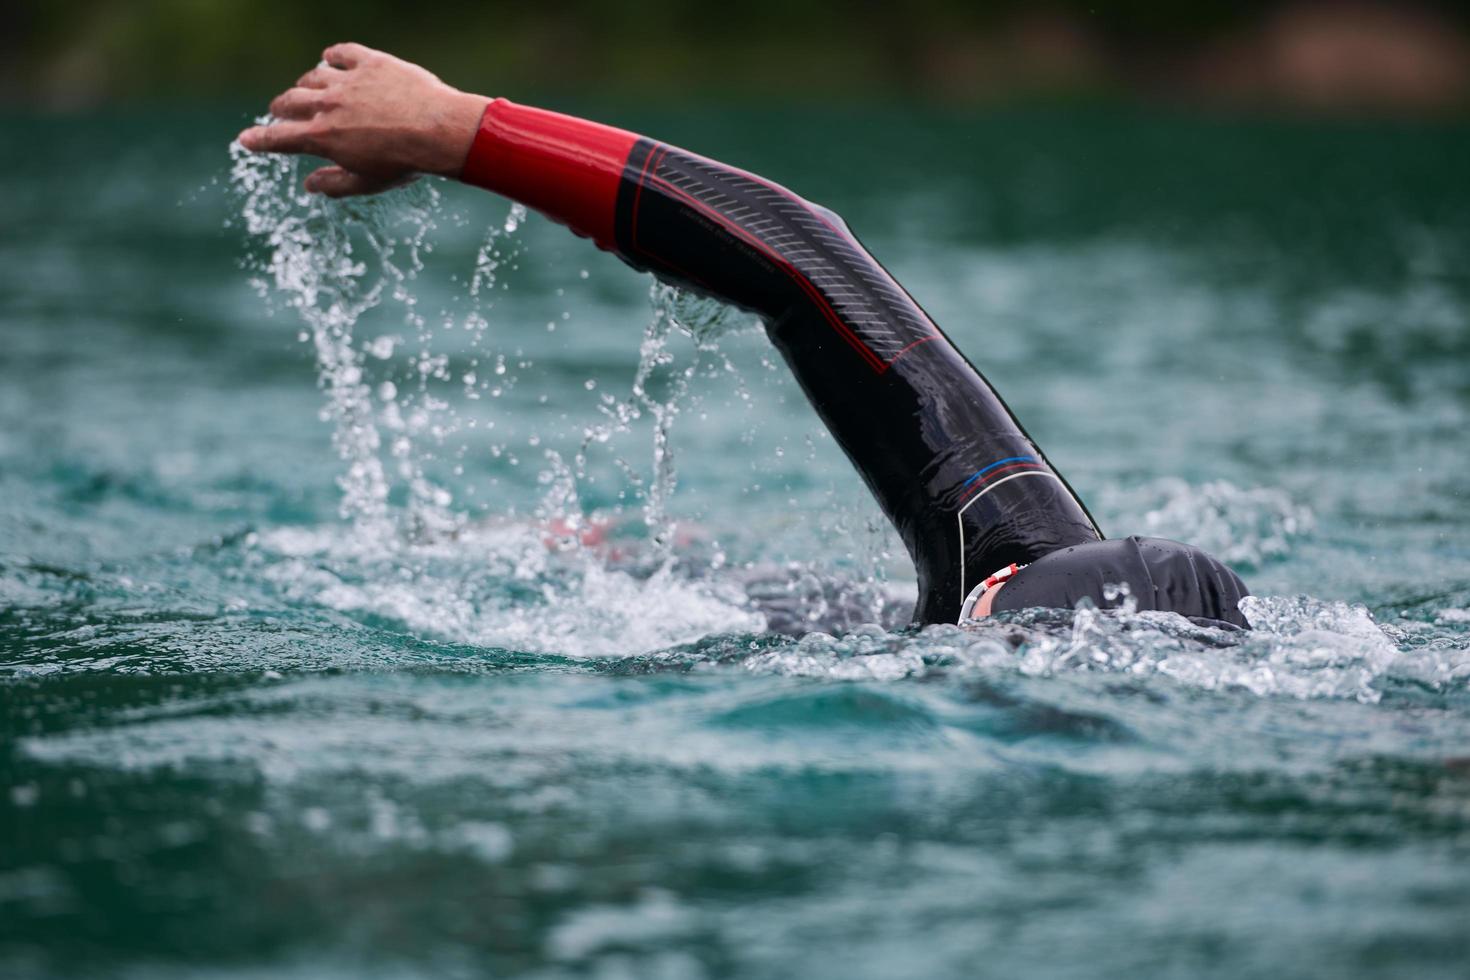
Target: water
column 397, row 622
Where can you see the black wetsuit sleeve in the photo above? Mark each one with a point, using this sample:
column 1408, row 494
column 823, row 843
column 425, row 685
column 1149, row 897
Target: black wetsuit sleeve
column 968, row 491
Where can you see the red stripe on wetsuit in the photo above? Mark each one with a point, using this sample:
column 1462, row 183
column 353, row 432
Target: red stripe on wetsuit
column 566, row 168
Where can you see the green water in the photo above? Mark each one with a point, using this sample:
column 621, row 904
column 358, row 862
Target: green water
column 293, row 685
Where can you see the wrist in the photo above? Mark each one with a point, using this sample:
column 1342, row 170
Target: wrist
column 457, row 121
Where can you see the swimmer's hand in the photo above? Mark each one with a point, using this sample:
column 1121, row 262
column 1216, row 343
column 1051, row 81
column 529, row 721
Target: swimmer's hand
column 381, row 120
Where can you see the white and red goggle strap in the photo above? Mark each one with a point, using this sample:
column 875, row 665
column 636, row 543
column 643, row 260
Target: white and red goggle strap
column 979, row 591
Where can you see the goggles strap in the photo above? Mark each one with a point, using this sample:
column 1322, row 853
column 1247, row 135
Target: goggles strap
column 979, row 591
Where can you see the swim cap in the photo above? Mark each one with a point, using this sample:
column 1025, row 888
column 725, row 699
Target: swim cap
column 1160, row 574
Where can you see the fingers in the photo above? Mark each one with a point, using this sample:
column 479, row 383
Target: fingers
column 282, row 137
column 347, row 55
column 341, row 182
column 319, row 77
column 298, row 103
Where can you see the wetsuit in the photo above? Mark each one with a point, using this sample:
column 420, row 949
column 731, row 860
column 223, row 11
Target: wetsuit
column 967, row 489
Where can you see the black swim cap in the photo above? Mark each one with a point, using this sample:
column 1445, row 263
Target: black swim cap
column 1160, row 574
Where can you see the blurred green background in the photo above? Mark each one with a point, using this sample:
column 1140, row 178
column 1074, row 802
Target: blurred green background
column 1348, row 55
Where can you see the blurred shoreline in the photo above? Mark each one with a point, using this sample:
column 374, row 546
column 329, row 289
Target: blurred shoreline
column 1353, row 56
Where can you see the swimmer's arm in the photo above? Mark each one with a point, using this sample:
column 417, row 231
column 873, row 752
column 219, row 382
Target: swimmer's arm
column 917, row 420
column 382, row 121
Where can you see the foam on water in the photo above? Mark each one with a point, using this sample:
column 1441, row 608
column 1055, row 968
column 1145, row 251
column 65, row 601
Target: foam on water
column 501, row 586
column 1299, row 648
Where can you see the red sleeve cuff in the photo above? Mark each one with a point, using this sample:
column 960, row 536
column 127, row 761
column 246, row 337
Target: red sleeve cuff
column 567, row 168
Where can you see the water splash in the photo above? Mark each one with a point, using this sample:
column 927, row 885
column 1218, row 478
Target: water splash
column 330, row 262
column 661, row 390
column 500, row 586
column 433, row 568
column 1299, row 648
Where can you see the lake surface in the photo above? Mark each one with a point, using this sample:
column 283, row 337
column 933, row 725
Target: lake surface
column 306, row 671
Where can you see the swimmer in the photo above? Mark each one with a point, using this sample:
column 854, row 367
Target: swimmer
column 989, row 522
